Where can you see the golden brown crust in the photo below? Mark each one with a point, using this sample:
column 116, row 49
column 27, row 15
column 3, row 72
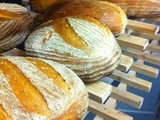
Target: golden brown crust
column 42, row 6
column 97, row 60
column 20, row 84
column 3, row 114
column 36, row 89
column 139, row 8
column 108, row 13
column 15, row 24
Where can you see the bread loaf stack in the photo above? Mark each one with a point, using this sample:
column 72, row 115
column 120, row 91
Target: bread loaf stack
column 83, row 44
column 38, row 89
column 110, row 14
column 139, row 8
column 15, row 24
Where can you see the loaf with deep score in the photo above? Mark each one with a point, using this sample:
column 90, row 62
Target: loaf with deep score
column 108, row 13
column 36, row 89
column 15, row 24
column 83, row 44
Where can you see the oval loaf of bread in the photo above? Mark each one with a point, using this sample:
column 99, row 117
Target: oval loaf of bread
column 38, row 89
column 139, row 8
column 108, row 13
column 83, row 44
column 15, row 24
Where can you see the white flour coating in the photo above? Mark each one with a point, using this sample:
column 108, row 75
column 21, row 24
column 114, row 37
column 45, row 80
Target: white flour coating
column 58, row 101
column 44, row 85
column 13, row 8
column 9, row 101
column 75, row 83
column 99, row 44
column 68, row 76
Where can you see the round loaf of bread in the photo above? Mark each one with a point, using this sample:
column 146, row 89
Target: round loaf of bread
column 15, row 24
column 110, row 14
column 83, row 44
column 139, row 8
column 38, row 89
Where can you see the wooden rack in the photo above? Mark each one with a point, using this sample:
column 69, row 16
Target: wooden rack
column 103, row 97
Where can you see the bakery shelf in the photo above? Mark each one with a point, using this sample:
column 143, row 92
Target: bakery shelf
column 105, row 97
column 135, row 45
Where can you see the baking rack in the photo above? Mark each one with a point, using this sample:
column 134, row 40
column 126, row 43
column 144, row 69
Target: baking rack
column 138, row 43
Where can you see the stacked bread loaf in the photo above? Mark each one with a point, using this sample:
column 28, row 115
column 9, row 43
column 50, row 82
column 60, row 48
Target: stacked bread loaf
column 15, row 23
column 38, row 89
column 139, row 8
column 108, row 13
column 35, row 88
column 83, row 44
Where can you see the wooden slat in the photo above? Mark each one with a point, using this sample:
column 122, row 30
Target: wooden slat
column 132, row 42
column 14, row 52
column 147, row 36
column 111, row 102
column 142, row 27
column 127, row 97
column 109, row 114
column 125, row 63
column 142, row 56
column 99, row 91
column 132, row 81
column 144, row 69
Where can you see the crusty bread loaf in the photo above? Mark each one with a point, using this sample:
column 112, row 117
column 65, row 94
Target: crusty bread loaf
column 83, row 44
column 42, row 6
column 15, row 24
column 139, row 8
column 38, row 89
column 110, row 14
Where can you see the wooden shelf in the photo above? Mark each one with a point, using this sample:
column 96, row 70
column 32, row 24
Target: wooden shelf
column 105, row 97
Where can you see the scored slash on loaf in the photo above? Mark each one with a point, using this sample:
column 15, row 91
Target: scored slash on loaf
column 83, row 44
column 108, row 13
column 32, row 88
column 15, row 24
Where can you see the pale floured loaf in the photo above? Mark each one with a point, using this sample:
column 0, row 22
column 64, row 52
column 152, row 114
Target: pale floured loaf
column 38, row 89
column 15, row 24
column 83, row 44
column 139, row 8
column 108, row 13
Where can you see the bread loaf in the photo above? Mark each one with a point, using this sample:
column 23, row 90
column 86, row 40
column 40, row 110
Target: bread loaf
column 15, row 24
column 139, row 8
column 42, row 6
column 110, row 14
column 38, row 89
column 83, row 44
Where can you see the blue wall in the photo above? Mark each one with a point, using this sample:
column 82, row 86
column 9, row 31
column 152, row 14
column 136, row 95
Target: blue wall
column 149, row 107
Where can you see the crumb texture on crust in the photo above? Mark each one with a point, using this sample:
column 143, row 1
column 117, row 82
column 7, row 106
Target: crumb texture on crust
column 38, row 89
column 108, row 13
column 15, row 24
column 84, row 44
column 139, row 8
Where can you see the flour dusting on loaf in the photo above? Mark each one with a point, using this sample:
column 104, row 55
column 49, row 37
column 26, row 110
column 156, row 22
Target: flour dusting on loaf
column 70, row 102
column 83, row 44
column 15, row 25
